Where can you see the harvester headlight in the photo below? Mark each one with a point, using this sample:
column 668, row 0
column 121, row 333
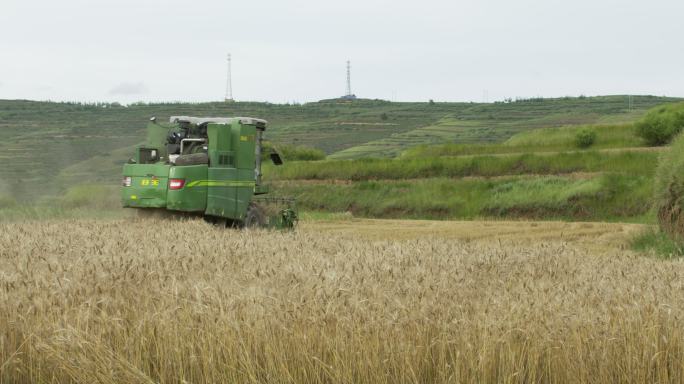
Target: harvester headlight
column 126, row 182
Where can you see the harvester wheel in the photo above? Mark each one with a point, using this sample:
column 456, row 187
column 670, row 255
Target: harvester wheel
column 255, row 217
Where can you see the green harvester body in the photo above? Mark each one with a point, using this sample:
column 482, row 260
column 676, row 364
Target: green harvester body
column 205, row 166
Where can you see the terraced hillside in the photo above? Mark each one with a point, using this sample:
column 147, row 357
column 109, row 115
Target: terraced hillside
column 537, row 174
column 45, row 141
column 47, row 147
column 490, row 123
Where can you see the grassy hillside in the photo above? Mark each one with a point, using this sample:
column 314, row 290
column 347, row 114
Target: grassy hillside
column 632, row 162
column 490, row 123
column 48, row 147
column 614, row 136
column 538, row 174
column 592, row 197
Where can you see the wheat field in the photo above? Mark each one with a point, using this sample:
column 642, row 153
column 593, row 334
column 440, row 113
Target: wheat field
column 144, row 301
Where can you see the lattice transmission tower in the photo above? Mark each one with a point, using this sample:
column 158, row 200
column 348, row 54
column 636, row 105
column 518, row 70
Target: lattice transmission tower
column 349, row 95
column 229, row 83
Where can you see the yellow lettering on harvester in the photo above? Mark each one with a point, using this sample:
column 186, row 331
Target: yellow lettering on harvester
column 148, row 182
column 247, row 138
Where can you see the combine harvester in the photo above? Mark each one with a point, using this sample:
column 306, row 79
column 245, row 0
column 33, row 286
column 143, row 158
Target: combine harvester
column 203, row 166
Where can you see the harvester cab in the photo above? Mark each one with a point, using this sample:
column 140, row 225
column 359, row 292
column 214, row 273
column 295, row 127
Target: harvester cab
column 206, row 166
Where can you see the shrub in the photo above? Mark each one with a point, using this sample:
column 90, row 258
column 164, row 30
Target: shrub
column 585, row 138
column 669, row 190
column 661, row 124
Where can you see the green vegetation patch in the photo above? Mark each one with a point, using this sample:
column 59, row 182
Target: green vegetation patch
column 476, row 124
column 539, row 140
column 638, row 163
column 658, row 243
column 550, row 192
column 607, row 197
column 7, row 202
column 585, row 138
column 669, row 190
column 661, row 124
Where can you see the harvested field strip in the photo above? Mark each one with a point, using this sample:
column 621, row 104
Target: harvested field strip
column 114, row 301
column 595, row 236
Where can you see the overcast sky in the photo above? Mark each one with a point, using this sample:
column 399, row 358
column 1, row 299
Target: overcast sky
column 284, row 51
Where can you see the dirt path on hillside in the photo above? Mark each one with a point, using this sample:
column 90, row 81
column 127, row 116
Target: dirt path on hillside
column 596, row 236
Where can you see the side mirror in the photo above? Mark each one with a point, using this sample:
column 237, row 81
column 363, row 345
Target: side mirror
column 275, row 158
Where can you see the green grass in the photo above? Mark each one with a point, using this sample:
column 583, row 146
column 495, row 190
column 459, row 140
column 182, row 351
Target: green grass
column 668, row 198
column 657, row 243
column 661, row 124
column 606, row 197
column 488, row 180
column 551, row 192
column 494, row 123
column 537, row 140
column 607, row 136
column 638, row 163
